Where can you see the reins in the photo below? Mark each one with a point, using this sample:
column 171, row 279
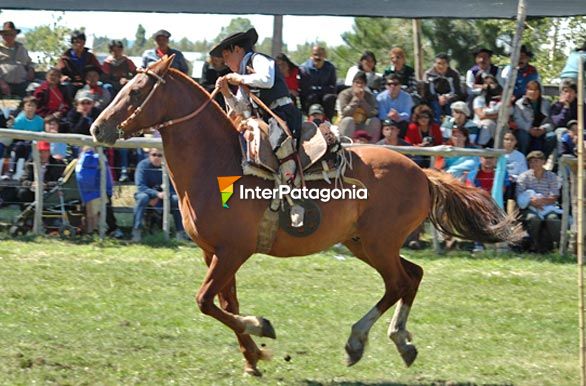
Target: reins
column 168, row 123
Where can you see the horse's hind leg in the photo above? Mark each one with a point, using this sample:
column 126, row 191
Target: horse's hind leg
column 397, row 328
column 397, row 281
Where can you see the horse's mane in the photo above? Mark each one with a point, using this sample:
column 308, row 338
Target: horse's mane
column 204, row 92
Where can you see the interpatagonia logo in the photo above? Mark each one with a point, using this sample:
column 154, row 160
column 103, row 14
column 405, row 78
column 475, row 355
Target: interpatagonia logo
column 226, row 185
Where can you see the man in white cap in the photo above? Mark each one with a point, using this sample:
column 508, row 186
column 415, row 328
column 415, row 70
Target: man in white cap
column 162, row 41
column 460, row 119
column 261, row 75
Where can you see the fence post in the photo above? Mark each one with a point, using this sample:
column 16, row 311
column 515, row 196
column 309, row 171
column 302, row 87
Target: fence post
column 566, row 202
column 103, row 192
column 38, row 228
column 166, row 197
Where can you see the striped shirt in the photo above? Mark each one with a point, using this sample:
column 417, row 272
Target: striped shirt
column 548, row 185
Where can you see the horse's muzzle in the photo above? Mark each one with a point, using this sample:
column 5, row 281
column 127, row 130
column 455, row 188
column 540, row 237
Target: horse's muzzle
column 103, row 134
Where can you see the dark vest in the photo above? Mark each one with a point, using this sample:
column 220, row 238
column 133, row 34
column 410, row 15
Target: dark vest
column 478, row 75
column 279, row 89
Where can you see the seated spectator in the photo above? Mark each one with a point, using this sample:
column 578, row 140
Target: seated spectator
column 52, row 97
column 442, row 86
column 52, row 170
column 534, row 129
column 458, row 166
column 537, row 196
column 93, row 86
column 483, row 65
column 291, row 73
column 16, row 66
column 390, row 132
column 366, row 64
column 460, row 119
column 162, row 48
column 316, row 114
column 149, row 179
column 58, row 149
column 357, row 109
column 118, row 69
column 88, row 176
column 570, row 138
column 361, row 136
column 318, row 82
column 486, row 110
column 423, row 131
column 80, row 118
column 566, row 108
column 74, row 62
column 399, row 67
column 395, row 104
column 27, row 120
column 525, row 73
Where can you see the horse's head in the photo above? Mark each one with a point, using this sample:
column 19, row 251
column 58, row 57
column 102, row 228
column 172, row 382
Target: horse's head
column 134, row 108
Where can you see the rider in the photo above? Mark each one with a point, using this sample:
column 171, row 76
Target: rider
column 262, row 76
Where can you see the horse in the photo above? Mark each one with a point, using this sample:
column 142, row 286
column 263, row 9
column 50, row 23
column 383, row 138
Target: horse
column 200, row 143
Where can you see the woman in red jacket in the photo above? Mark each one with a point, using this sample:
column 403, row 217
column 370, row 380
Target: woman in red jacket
column 422, row 130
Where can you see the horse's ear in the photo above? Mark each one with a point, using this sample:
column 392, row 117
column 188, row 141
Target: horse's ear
column 164, row 65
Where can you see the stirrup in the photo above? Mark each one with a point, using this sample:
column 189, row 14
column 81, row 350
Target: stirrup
column 297, row 214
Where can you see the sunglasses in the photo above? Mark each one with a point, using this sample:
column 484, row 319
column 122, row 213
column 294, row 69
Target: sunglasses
column 393, row 84
column 158, row 155
column 86, row 102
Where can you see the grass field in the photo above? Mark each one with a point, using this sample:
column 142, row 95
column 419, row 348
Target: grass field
column 86, row 314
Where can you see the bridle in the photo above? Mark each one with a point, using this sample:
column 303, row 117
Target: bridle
column 160, row 80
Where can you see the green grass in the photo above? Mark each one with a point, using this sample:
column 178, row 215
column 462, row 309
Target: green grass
column 85, row 313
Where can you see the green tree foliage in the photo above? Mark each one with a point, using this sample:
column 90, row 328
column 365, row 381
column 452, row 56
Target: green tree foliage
column 139, row 40
column 238, row 24
column 51, row 39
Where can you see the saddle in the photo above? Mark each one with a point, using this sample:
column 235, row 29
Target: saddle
column 316, row 144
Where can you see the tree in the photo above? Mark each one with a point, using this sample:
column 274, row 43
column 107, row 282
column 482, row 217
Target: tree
column 139, row 41
column 50, row 40
column 239, row 24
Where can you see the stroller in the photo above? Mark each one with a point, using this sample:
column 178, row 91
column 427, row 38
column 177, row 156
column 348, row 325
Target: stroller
column 61, row 208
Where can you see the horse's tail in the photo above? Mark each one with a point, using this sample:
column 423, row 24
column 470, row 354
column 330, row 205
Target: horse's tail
column 467, row 212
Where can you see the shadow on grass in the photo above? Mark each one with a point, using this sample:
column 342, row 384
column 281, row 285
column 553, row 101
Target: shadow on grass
column 390, row 383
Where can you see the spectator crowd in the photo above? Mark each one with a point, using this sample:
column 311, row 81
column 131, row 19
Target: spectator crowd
column 386, row 107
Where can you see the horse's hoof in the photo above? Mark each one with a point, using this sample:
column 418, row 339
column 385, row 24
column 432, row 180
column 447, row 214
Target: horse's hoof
column 267, row 329
column 409, row 353
column 353, row 356
column 252, row 371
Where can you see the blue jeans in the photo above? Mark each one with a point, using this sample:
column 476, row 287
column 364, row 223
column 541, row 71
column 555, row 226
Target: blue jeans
column 142, row 201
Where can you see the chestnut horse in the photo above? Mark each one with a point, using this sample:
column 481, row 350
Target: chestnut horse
column 202, row 144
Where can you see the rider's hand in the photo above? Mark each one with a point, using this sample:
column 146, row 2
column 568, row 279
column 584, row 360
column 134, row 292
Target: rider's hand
column 234, row 79
column 222, row 85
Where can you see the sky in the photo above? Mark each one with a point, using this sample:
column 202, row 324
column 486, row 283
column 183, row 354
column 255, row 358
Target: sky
column 118, row 25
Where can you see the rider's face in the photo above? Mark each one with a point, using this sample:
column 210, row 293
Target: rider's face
column 233, row 57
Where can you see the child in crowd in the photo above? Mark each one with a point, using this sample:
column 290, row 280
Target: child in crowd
column 93, row 86
column 58, row 149
column 87, row 173
column 51, row 96
column 361, row 136
column 26, row 120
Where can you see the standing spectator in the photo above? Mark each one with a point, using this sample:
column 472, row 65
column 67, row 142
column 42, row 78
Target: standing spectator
column 51, row 170
column 80, row 119
column 16, row 69
column 443, row 86
column 52, row 97
column 516, row 164
column 366, row 64
column 537, row 195
column 290, row 72
column 212, row 69
column 399, row 67
column 88, row 176
column 93, row 86
column 75, row 61
column 474, row 80
column 534, row 127
column 570, row 70
column 460, row 119
column 162, row 48
column 27, row 120
column 395, row 104
column 118, row 69
column 318, row 82
column 486, row 110
column 525, row 73
column 357, row 109
column 149, row 179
